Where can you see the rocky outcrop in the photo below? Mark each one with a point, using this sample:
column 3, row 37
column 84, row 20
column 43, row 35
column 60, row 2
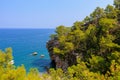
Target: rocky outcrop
column 56, row 60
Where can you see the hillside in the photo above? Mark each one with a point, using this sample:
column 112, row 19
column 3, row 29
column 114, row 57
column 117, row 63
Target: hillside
column 88, row 50
column 93, row 42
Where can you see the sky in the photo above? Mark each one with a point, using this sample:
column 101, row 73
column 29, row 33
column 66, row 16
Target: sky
column 46, row 13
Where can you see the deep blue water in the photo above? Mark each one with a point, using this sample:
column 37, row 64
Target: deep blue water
column 24, row 42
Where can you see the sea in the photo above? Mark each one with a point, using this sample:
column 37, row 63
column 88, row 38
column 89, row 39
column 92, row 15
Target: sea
column 24, row 42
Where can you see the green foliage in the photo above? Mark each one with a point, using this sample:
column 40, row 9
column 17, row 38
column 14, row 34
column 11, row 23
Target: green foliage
column 9, row 72
column 62, row 30
column 65, row 49
column 96, row 63
column 57, row 51
column 56, row 74
column 117, row 4
column 33, row 75
column 107, row 24
column 93, row 46
column 77, row 25
column 96, row 41
column 111, row 12
column 97, row 13
column 87, row 19
column 69, row 46
column 6, row 57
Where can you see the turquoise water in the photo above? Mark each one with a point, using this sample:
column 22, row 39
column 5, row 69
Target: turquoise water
column 23, row 43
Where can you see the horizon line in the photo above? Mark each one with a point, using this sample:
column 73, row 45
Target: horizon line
column 28, row 28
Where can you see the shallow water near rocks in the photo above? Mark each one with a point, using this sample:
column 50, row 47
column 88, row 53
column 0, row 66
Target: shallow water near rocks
column 24, row 42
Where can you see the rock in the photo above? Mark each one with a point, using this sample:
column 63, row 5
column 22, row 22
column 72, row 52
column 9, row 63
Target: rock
column 57, row 61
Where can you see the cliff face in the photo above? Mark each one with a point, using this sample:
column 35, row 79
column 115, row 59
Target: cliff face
column 56, row 60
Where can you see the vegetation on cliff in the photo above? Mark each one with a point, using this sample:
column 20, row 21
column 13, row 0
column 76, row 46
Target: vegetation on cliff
column 89, row 50
column 95, row 41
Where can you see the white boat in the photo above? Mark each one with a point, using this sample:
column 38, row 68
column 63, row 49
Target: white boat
column 35, row 53
column 41, row 56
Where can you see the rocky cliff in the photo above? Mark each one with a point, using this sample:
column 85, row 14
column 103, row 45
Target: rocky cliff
column 56, row 60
